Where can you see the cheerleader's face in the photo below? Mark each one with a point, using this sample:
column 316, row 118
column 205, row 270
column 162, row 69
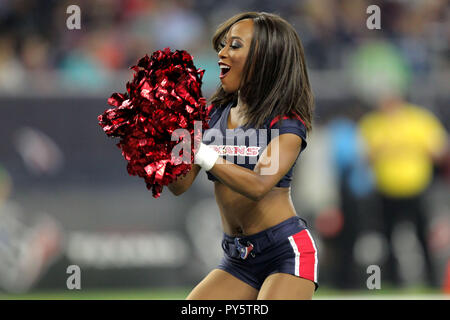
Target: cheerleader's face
column 234, row 50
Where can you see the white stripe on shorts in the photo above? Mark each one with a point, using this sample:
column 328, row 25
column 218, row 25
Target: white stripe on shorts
column 297, row 256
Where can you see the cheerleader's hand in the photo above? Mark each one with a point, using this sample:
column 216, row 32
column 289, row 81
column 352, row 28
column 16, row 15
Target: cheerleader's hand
column 205, row 156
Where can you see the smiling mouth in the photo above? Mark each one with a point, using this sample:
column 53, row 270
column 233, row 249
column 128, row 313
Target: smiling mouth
column 223, row 71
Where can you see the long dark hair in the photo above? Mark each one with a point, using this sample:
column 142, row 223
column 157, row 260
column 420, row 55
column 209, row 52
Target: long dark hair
column 275, row 80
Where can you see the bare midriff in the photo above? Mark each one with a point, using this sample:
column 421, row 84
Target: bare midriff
column 242, row 216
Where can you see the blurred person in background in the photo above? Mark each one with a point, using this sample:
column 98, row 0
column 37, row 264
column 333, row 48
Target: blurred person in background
column 403, row 143
column 354, row 186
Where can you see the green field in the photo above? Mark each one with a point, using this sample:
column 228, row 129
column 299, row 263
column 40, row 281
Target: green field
column 180, row 293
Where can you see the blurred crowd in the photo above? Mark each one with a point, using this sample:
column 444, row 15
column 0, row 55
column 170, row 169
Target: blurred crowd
column 34, row 37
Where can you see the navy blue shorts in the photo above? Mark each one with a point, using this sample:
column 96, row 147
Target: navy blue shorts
column 286, row 247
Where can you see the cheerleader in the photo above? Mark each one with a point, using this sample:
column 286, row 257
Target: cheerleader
column 259, row 119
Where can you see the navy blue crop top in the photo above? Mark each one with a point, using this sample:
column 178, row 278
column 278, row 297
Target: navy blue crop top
column 244, row 147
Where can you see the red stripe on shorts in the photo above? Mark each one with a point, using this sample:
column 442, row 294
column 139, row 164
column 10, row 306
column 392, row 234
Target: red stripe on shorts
column 308, row 255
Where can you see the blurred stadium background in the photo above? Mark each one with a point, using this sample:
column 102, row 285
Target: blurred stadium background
column 65, row 195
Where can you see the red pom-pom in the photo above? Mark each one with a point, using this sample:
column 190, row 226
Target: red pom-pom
column 164, row 95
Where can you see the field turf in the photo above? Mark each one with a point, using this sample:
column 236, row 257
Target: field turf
column 411, row 293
